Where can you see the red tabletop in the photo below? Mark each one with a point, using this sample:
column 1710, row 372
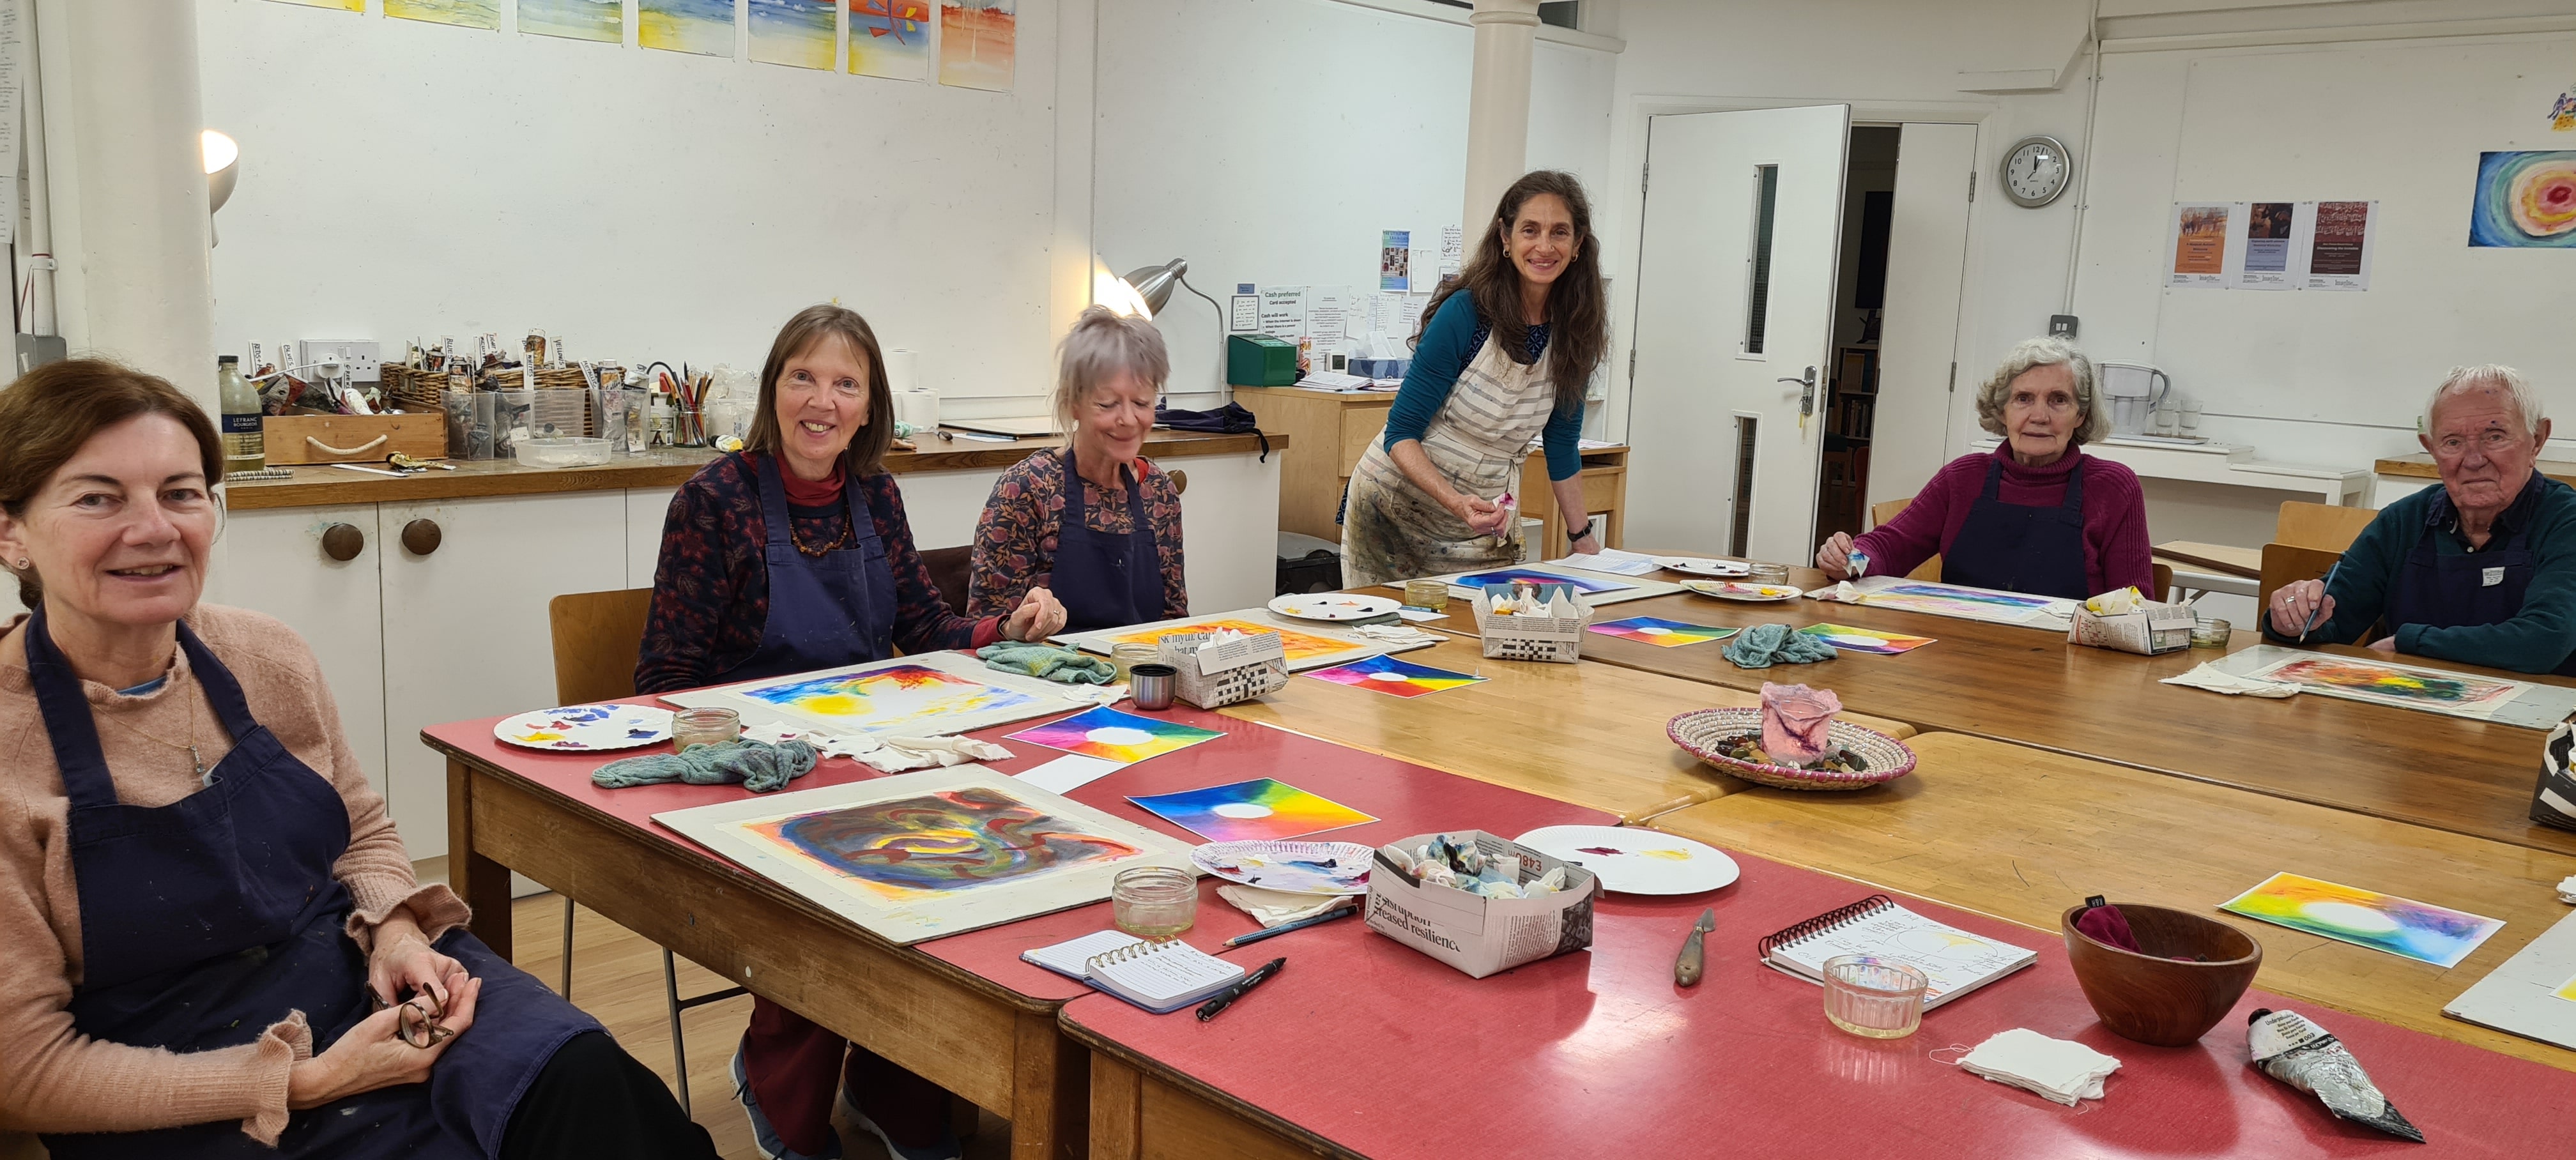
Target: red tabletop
column 1386, row 1052
column 1408, row 799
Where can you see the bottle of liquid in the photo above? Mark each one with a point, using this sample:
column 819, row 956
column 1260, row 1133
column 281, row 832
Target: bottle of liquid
column 245, row 441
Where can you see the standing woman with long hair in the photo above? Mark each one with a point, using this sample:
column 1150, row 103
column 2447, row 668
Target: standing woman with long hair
column 1504, row 354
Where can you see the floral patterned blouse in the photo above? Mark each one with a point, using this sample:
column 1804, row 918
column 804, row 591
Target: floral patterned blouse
column 1015, row 539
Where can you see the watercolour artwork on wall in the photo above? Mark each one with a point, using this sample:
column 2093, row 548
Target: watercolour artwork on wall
column 921, row 855
column 702, row 27
column 342, row 5
column 600, row 20
column 483, row 14
column 796, row 33
column 978, row 43
column 930, row 695
column 890, row 39
column 2525, row 199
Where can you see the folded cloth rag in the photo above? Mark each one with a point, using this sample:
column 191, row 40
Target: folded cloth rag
column 1273, row 907
column 2058, row 1069
column 897, row 754
column 1765, row 645
column 2206, row 675
column 758, row 765
column 1047, row 662
column 1797, row 722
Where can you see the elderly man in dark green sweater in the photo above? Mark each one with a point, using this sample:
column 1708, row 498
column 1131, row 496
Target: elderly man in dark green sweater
column 2481, row 570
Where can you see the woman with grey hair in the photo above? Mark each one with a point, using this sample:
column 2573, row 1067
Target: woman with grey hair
column 2035, row 515
column 1092, row 521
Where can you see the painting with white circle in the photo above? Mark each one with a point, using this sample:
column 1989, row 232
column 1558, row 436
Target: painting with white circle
column 1246, row 811
column 1111, row 735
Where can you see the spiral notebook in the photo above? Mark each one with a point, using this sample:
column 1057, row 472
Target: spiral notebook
column 1955, row 961
column 1161, row 977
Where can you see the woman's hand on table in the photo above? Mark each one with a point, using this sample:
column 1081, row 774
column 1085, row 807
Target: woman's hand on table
column 403, row 963
column 2295, row 607
column 375, row 1055
column 1482, row 516
column 1039, row 616
column 1834, row 557
column 2386, row 645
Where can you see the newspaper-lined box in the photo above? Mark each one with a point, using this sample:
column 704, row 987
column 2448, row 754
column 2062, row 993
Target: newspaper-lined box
column 2151, row 628
column 1556, row 636
column 1476, row 934
column 1214, row 673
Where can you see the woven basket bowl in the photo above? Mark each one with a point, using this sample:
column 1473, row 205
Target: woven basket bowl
column 1701, row 730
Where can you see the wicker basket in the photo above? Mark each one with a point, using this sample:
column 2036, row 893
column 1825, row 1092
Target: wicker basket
column 1701, row 731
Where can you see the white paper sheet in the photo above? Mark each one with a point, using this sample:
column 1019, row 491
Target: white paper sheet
column 1069, row 772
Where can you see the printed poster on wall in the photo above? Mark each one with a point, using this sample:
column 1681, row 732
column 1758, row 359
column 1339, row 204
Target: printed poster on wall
column 1395, row 260
column 2273, row 258
column 1283, row 312
column 2340, row 244
column 2200, row 248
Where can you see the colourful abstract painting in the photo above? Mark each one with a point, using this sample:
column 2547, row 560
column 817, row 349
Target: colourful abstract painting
column 1110, row 735
column 1868, row 640
column 704, row 27
column 799, row 33
column 1662, row 633
column 889, row 699
column 1966, row 595
column 978, row 40
column 938, row 843
column 1253, row 810
column 2525, row 199
column 890, row 39
column 2400, row 926
column 600, row 20
column 341, row 5
column 1299, row 646
column 1394, row 677
column 2400, row 685
column 485, row 14
column 1477, row 580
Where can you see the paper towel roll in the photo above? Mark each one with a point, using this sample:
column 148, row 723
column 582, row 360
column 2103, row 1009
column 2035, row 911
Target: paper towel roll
column 919, row 408
column 903, row 370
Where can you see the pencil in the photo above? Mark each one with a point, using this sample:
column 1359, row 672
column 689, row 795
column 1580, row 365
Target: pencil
column 2321, row 601
column 1300, row 924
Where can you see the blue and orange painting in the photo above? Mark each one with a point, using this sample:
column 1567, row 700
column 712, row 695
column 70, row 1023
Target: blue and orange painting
column 704, row 27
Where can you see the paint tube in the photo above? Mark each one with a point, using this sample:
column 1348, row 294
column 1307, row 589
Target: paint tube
column 2291, row 1048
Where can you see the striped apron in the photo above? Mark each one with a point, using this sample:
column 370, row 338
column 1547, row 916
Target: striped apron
column 1393, row 531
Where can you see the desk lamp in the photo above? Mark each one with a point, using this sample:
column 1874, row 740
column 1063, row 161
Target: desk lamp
column 1147, row 289
column 223, row 171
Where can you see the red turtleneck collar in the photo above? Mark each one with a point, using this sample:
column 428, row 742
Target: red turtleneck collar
column 810, row 493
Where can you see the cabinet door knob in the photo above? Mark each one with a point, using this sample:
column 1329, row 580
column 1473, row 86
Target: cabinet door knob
column 420, row 537
column 343, row 542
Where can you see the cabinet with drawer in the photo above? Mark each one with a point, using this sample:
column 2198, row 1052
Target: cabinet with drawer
column 1338, row 428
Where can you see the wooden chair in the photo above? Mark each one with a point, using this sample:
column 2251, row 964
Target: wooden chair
column 2289, row 564
column 2316, row 525
column 597, row 637
column 2163, row 582
column 948, row 570
column 1885, row 510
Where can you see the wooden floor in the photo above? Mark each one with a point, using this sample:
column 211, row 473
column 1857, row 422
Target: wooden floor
column 617, row 978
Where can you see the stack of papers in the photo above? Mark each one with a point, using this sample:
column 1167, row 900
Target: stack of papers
column 1337, row 381
column 1612, row 561
column 2057, row 1069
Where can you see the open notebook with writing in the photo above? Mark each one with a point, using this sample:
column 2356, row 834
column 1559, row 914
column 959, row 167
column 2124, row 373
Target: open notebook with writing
column 1955, row 961
column 1161, row 977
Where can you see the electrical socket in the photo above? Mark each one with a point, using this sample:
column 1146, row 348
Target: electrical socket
column 360, row 355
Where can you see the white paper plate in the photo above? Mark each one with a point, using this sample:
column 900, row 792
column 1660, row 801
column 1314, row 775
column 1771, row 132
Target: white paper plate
column 1333, row 606
column 1633, row 860
column 1736, row 590
column 1289, row 866
column 587, row 728
column 1698, row 566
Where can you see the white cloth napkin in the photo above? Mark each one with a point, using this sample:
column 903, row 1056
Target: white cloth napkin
column 2567, row 889
column 1273, row 907
column 885, row 754
column 2207, row 676
column 2057, row 1069
column 1399, row 634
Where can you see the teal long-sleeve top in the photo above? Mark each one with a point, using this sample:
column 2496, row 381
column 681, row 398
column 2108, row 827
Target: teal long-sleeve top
column 1448, row 344
column 2538, row 639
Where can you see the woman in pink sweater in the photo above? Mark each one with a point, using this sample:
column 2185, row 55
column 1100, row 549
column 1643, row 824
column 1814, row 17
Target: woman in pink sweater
column 215, row 944
column 2037, row 515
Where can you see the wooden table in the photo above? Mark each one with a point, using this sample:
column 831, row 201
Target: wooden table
column 2021, row 834
column 1586, row 734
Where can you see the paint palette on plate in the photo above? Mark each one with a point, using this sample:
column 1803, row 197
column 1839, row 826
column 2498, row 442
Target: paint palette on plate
column 2384, row 922
column 1631, row 860
column 1660, row 632
column 1335, row 868
column 1246, row 811
column 1395, row 678
column 587, row 728
column 1110, row 735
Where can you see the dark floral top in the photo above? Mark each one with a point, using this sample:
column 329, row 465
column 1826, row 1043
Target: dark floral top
column 1015, row 539
column 711, row 589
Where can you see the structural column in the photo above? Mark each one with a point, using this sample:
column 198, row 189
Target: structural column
column 1498, row 106
column 128, row 180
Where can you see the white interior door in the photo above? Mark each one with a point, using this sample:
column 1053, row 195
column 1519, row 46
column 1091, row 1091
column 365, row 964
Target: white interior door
column 1927, row 248
column 1735, row 290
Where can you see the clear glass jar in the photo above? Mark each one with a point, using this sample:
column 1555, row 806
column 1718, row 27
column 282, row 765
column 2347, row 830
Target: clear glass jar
column 1776, row 574
column 1154, row 902
column 693, row 727
column 1427, row 594
column 1123, row 657
column 2211, row 632
column 1873, row 997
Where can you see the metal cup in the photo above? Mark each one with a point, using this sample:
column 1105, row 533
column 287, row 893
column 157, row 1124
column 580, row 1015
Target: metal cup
column 1151, row 686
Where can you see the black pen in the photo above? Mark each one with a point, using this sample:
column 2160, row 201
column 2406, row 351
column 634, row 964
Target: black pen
column 1226, row 997
column 1343, row 911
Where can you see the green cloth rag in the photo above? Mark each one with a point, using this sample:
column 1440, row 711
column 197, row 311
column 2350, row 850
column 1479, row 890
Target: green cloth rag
column 1054, row 664
column 758, row 765
column 1765, row 645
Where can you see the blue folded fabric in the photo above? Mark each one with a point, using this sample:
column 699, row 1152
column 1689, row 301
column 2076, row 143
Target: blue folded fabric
column 759, row 765
column 1765, row 645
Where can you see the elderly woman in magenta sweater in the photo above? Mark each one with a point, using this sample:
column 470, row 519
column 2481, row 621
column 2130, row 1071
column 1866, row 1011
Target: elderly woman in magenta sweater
column 2036, row 515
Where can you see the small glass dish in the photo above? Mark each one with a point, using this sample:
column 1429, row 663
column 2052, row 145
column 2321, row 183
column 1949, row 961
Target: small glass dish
column 1874, row 998
column 2211, row 633
column 1154, row 902
column 1123, row 657
column 695, row 727
column 1769, row 574
column 1430, row 595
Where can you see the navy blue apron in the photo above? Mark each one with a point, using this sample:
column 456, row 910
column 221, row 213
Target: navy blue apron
column 2440, row 591
column 206, row 920
column 827, row 611
column 1106, row 580
column 2021, row 548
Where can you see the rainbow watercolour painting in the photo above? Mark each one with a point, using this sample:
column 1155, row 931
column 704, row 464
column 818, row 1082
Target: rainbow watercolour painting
column 2404, row 686
column 959, row 839
column 1253, row 810
column 1396, row 678
column 2400, row 926
column 1474, row 582
column 925, row 695
column 1963, row 595
column 1655, row 630
column 1110, row 735
column 1300, row 647
column 1846, row 638
column 2526, row 199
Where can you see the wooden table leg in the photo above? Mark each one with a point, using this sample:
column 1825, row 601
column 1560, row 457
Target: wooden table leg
column 483, row 883
column 1049, row 1091
column 1117, row 1110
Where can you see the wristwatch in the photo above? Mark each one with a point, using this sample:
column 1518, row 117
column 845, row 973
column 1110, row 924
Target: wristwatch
column 1574, row 533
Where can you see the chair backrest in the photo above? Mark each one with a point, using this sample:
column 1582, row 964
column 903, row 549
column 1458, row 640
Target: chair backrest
column 2164, row 583
column 2289, row 564
column 1886, row 509
column 948, row 569
column 597, row 637
column 2316, row 525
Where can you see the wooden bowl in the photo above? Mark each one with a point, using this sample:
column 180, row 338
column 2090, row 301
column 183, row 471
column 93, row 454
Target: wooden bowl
column 2155, row 999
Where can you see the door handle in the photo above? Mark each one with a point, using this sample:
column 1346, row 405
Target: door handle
column 1806, row 398
column 343, row 542
column 420, row 537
